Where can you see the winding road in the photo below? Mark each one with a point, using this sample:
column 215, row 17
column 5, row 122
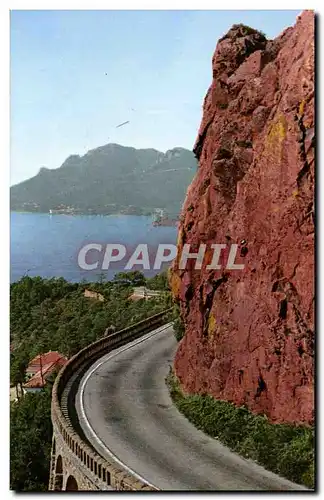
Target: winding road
column 125, row 411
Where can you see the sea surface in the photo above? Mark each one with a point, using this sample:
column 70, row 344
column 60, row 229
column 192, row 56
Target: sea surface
column 48, row 245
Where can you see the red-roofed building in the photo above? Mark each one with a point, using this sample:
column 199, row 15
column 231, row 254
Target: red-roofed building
column 42, row 360
column 40, row 368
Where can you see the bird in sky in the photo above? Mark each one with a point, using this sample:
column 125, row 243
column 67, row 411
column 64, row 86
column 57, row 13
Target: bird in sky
column 121, row 124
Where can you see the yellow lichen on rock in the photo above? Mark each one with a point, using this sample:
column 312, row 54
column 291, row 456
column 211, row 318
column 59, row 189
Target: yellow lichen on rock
column 275, row 139
column 211, row 325
column 302, row 108
column 175, row 284
column 277, row 130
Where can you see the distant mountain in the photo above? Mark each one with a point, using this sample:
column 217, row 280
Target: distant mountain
column 110, row 179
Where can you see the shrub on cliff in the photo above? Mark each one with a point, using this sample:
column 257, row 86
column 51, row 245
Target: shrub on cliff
column 178, row 324
column 158, row 282
column 284, row 449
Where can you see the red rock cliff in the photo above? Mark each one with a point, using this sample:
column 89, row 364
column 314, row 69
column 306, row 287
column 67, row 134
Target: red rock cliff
column 249, row 333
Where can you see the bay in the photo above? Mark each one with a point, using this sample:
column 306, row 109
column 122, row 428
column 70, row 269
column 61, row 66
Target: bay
column 48, row 245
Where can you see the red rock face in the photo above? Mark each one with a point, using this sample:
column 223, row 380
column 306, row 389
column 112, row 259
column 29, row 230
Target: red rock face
column 249, row 333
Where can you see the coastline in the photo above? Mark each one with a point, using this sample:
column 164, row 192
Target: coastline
column 168, row 221
column 79, row 213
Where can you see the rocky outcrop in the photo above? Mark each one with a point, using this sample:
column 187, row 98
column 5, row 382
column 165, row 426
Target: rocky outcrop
column 249, row 333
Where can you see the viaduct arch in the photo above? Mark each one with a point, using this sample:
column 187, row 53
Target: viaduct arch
column 59, row 473
column 71, row 484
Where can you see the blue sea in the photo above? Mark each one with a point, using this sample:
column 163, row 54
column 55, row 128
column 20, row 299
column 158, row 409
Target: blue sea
column 48, row 245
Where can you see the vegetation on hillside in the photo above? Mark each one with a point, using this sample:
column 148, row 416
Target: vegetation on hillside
column 53, row 315
column 108, row 180
column 284, row 449
column 30, row 442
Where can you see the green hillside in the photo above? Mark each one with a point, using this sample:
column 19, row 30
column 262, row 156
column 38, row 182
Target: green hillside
column 110, row 179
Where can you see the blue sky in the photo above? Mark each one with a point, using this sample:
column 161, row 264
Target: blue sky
column 75, row 75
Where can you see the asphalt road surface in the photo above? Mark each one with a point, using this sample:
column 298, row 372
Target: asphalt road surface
column 126, row 412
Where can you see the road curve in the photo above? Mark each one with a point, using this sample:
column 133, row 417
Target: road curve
column 125, row 410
